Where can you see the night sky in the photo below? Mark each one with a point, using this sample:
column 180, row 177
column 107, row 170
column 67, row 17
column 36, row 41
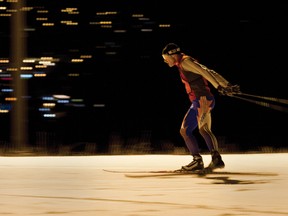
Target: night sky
column 244, row 42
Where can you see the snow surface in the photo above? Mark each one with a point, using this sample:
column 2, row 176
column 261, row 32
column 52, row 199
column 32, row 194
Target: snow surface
column 77, row 185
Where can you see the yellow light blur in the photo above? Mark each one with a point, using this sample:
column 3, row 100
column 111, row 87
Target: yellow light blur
column 49, row 104
column 106, row 13
column 12, row 69
column 40, row 66
column 26, row 68
column 77, row 60
column 40, row 75
column 42, row 19
column 4, row 61
column 46, row 58
column 164, row 25
column 42, row 11
column 29, row 60
column 70, row 10
column 105, row 22
column 4, row 111
column 47, row 24
column 5, row 15
column 27, row 8
column 137, row 15
column 69, row 22
column 10, row 99
column 74, row 74
column 86, row 56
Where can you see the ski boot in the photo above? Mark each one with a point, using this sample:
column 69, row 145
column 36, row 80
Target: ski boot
column 217, row 162
column 196, row 165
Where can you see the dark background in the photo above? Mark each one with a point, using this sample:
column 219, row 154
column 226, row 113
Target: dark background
column 144, row 99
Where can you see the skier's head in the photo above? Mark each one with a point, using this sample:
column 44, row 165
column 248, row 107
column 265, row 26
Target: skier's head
column 169, row 54
column 170, row 49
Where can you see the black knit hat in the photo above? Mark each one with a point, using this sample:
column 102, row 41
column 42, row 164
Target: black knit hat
column 171, row 49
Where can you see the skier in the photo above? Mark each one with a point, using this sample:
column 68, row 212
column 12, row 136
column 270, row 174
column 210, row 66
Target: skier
column 195, row 78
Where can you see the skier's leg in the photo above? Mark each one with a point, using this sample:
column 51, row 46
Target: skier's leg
column 204, row 122
column 189, row 124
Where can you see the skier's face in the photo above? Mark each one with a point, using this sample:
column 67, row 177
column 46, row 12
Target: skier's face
column 169, row 60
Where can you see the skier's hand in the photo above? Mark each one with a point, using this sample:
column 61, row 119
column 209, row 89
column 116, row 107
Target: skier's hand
column 232, row 89
column 229, row 90
column 221, row 90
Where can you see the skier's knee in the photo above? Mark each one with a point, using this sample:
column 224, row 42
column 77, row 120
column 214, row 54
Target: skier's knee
column 185, row 131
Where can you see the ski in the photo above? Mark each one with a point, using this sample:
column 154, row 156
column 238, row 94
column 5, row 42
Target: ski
column 147, row 171
column 151, row 173
column 163, row 173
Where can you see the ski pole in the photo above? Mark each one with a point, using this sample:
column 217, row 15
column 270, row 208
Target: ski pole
column 278, row 100
column 262, row 103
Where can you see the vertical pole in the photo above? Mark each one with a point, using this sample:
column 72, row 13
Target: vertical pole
column 18, row 51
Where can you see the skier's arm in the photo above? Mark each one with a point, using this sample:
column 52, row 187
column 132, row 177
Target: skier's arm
column 213, row 77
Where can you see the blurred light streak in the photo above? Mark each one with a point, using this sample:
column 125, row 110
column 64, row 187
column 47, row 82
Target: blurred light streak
column 62, row 101
column 106, row 13
column 48, row 63
column 164, row 25
column 12, row 69
column 6, row 78
column 69, row 22
column 29, row 61
column 4, row 61
column 77, row 60
column 48, row 98
column 5, row 15
column 7, row 90
column 78, row 105
column 98, row 105
column 146, row 30
column 137, row 15
column 41, row 18
column 40, row 66
column 143, row 18
column 5, row 75
column 26, row 68
column 49, row 115
column 120, row 31
column 61, row 96
column 74, row 74
column 10, row 99
column 49, row 104
column 5, row 107
column 76, row 100
column 39, row 74
column 47, row 58
column 48, row 24
column 86, row 56
column 42, row 11
column 26, row 76
column 30, row 29
column 70, row 10
column 44, row 109
column 27, row 9
column 106, row 26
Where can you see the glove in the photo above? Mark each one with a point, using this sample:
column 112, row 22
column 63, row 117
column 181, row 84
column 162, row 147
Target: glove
column 229, row 90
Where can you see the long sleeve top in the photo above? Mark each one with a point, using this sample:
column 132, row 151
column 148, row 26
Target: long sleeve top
column 196, row 76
